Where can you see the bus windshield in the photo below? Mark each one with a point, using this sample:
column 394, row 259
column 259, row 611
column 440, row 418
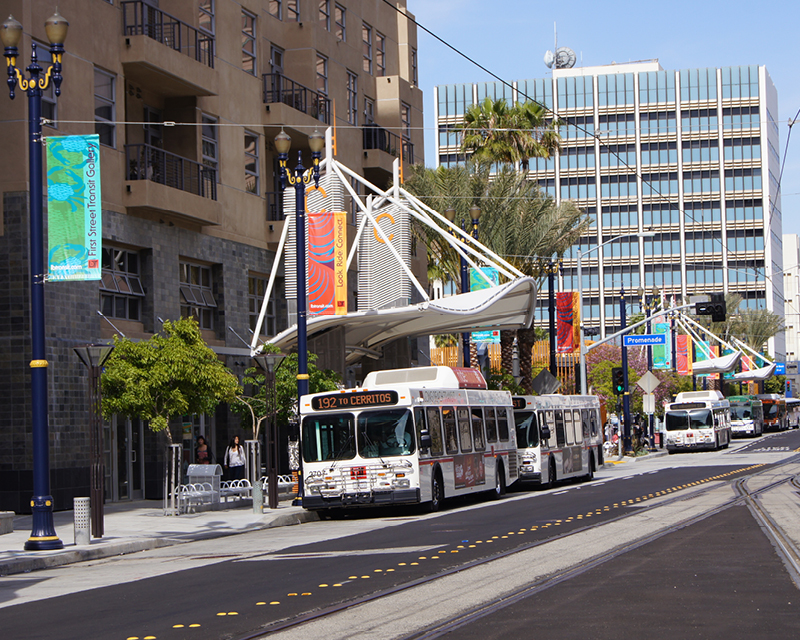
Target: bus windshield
column 527, row 432
column 328, row 437
column 772, row 411
column 388, row 432
column 694, row 419
column 740, row 412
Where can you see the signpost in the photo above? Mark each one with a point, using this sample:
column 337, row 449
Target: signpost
column 645, row 340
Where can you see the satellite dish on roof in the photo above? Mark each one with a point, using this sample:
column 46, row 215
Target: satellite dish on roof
column 563, row 58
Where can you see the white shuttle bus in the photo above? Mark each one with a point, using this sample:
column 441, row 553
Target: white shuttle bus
column 698, row 420
column 558, row 437
column 406, row 436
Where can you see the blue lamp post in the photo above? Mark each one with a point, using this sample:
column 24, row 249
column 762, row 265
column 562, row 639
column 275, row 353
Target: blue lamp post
column 299, row 178
column 43, row 534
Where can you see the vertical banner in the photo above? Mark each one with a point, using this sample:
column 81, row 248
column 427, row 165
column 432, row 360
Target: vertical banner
column 477, row 283
column 662, row 353
column 565, row 309
column 576, row 320
column 74, row 208
column 327, row 263
column 683, row 346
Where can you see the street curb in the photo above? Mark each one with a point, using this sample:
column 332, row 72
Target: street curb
column 649, row 456
column 59, row 558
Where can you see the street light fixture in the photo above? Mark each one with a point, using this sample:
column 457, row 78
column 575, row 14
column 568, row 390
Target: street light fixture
column 43, row 533
column 269, row 363
column 94, row 357
column 582, row 346
column 299, row 177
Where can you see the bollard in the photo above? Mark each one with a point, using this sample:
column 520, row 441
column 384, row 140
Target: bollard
column 258, row 497
column 82, row 511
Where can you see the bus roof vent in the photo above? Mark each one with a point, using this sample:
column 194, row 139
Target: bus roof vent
column 426, row 377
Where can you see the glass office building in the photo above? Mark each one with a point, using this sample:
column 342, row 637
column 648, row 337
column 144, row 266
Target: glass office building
column 691, row 155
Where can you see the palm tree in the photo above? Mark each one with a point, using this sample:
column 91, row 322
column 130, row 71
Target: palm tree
column 518, row 222
column 497, row 132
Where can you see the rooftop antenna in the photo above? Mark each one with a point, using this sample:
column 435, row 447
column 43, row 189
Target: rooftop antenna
column 561, row 57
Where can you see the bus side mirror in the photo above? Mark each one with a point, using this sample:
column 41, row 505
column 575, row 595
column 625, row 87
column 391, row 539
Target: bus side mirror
column 545, row 433
column 424, row 439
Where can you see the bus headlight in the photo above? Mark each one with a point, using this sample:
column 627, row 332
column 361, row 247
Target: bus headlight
column 401, row 483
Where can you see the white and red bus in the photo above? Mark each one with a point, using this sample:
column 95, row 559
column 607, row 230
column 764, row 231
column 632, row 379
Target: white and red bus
column 407, row 436
column 558, row 437
column 698, row 420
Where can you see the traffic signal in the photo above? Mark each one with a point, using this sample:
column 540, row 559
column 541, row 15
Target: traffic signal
column 617, row 381
column 716, row 308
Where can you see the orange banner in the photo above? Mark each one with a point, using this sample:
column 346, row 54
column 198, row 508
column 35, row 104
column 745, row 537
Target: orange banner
column 327, row 263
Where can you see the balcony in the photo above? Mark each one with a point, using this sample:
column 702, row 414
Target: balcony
column 165, row 54
column 160, row 182
column 381, row 147
column 280, row 90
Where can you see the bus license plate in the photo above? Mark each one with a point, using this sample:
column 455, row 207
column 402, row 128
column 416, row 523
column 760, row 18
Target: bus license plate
column 358, row 472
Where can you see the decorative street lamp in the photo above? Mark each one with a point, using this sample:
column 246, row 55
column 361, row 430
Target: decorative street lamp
column 299, row 178
column 94, row 357
column 552, row 270
column 269, row 363
column 475, row 216
column 43, row 533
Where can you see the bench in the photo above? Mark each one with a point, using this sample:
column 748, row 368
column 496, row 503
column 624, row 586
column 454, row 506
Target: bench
column 236, row 489
column 285, row 485
column 191, row 496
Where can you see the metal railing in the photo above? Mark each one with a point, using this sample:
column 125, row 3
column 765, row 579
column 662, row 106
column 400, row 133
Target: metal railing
column 146, row 162
column 279, row 88
column 140, row 18
column 274, row 205
column 376, row 137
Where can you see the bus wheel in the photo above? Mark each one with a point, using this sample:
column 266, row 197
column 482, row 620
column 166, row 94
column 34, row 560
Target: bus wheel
column 437, row 492
column 499, row 481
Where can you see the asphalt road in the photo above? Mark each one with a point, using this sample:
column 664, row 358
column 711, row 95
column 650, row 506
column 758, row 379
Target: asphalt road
column 230, row 598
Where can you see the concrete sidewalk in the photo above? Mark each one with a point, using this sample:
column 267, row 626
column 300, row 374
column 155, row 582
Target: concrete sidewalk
column 138, row 526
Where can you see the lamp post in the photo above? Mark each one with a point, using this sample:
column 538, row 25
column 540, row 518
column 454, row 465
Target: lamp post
column 94, row 357
column 299, row 178
column 582, row 347
column 475, row 216
column 552, row 270
column 649, row 305
column 450, row 214
column 43, row 535
column 269, row 363
column 626, row 395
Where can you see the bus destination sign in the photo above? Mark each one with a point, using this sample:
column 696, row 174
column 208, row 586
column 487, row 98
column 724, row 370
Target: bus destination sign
column 354, row 400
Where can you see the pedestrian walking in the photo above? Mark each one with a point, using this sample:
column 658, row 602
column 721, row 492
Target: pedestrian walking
column 234, row 460
column 202, row 454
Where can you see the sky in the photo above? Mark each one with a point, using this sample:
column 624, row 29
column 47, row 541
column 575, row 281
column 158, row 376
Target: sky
column 510, row 37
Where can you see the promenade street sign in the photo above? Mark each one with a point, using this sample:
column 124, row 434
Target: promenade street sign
column 648, row 382
column 644, row 340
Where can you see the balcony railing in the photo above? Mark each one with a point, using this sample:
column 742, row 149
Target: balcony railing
column 139, row 18
column 279, row 88
column 146, row 162
column 376, row 137
column 274, row 205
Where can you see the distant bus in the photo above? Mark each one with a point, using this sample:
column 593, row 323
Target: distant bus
column 793, row 412
column 558, row 437
column 747, row 416
column 407, row 436
column 698, row 420
column 775, row 418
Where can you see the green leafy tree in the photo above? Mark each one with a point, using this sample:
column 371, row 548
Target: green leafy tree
column 168, row 375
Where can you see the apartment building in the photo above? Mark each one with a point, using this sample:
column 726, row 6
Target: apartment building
column 187, row 97
column 691, row 155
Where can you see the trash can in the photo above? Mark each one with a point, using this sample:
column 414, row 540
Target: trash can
column 210, row 473
column 82, row 513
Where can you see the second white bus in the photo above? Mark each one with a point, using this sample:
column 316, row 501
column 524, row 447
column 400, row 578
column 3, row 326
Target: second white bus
column 698, row 420
column 558, row 437
column 406, row 436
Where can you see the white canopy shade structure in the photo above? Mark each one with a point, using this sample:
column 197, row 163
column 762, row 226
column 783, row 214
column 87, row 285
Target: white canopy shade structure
column 755, row 375
column 508, row 306
column 722, row 364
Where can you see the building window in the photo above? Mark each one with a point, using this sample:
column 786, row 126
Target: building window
column 121, row 290
column 276, row 9
column 256, row 290
column 197, row 299
column 366, row 37
column 322, row 74
column 50, row 106
column 249, row 42
column 251, row 167
column 325, row 14
column 206, row 16
column 352, row 98
column 380, row 54
column 104, row 107
column 209, row 143
column 369, row 111
column 293, row 10
column 414, row 70
column 339, row 18
column 405, row 119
